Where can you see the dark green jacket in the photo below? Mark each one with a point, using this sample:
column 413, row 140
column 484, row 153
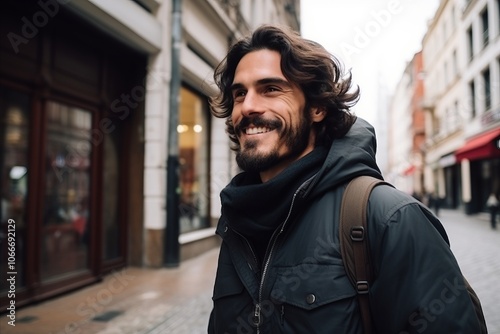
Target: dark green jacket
column 302, row 286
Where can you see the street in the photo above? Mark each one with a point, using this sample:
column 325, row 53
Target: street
column 477, row 249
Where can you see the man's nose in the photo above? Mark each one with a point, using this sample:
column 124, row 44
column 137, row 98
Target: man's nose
column 252, row 104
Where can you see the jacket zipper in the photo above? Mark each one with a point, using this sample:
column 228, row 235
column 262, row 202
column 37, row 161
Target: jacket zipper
column 256, row 262
column 274, row 238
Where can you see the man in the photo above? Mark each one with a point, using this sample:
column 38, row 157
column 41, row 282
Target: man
column 493, row 205
column 287, row 102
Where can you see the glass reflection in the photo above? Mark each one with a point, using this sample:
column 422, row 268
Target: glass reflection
column 193, row 159
column 14, row 112
column 65, row 236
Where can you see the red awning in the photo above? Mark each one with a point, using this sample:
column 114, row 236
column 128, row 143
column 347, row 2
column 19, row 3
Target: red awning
column 480, row 147
column 409, row 170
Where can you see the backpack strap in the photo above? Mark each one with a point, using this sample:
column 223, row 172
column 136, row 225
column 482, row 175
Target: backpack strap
column 354, row 241
column 355, row 249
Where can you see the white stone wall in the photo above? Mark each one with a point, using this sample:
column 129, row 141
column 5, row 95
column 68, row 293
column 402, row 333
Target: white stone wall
column 400, row 134
column 156, row 126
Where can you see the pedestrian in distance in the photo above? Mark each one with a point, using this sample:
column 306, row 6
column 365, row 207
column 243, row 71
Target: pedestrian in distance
column 287, row 104
column 435, row 202
column 493, row 206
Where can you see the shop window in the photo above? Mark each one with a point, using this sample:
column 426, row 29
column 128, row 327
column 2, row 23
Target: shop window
column 66, row 226
column 193, row 159
column 14, row 122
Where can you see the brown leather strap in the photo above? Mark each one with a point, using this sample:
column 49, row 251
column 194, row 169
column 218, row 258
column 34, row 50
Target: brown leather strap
column 354, row 241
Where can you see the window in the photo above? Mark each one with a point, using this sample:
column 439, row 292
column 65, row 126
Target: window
column 472, row 98
column 484, row 24
column 454, row 64
column 446, row 74
column 66, row 225
column 487, row 89
column 470, row 43
column 14, row 147
column 194, row 160
column 453, row 18
column 445, row 32
column 436, row 126
column 455, row 121
column 498, row 14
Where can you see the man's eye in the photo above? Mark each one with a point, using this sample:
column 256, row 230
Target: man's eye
column 271, row 89
column 239, row 94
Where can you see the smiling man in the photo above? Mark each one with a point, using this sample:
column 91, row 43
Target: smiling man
column 268, row 116
column 287, row 104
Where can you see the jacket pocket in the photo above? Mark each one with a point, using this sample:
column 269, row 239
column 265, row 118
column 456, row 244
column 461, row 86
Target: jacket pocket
column 309, row 286
column 227, row 285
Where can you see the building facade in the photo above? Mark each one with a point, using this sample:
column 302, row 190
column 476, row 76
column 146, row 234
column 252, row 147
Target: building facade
column 401, row 164
column 479, row 154
column 443, row 52
column 461, row 67
column 85, row 109
column 407, row 129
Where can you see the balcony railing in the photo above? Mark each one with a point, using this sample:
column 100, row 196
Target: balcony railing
column 232, row 10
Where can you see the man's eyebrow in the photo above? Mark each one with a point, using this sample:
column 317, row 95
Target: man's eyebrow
column 264, row 81
column 274, row 80
column 236, row 86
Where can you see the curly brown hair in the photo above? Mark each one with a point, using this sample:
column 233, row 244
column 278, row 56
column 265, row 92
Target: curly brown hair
column 309, row 65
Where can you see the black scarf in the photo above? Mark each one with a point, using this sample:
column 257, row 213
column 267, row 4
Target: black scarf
column 256, row 209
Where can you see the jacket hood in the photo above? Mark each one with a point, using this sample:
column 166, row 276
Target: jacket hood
column 348, row 157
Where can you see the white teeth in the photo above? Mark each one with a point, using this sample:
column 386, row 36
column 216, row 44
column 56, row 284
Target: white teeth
column 253, row 131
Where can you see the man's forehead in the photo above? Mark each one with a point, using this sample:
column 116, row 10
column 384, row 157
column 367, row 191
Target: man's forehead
column 259, row 67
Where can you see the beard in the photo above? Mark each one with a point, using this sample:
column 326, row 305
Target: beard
column 295, row 139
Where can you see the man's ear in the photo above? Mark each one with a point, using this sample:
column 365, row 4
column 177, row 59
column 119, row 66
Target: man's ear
column 317, row 114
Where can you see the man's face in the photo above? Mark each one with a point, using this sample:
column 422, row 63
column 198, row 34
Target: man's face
column 268, row 115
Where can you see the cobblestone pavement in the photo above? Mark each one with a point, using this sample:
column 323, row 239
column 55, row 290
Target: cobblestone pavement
column 133, row 300
column 477, row 249
column 178, row 301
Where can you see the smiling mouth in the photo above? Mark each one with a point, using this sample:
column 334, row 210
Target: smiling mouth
column 256, row 130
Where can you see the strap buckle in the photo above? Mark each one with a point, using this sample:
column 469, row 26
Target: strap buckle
column 362, row 287
column 357, row 233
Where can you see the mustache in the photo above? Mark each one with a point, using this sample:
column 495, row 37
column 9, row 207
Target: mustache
column 257, row 121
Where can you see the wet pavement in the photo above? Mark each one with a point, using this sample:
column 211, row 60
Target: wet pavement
column 158, row 301
column 133, row 300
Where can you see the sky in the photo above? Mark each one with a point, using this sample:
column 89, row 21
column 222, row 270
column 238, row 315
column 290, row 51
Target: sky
column 373, row 38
